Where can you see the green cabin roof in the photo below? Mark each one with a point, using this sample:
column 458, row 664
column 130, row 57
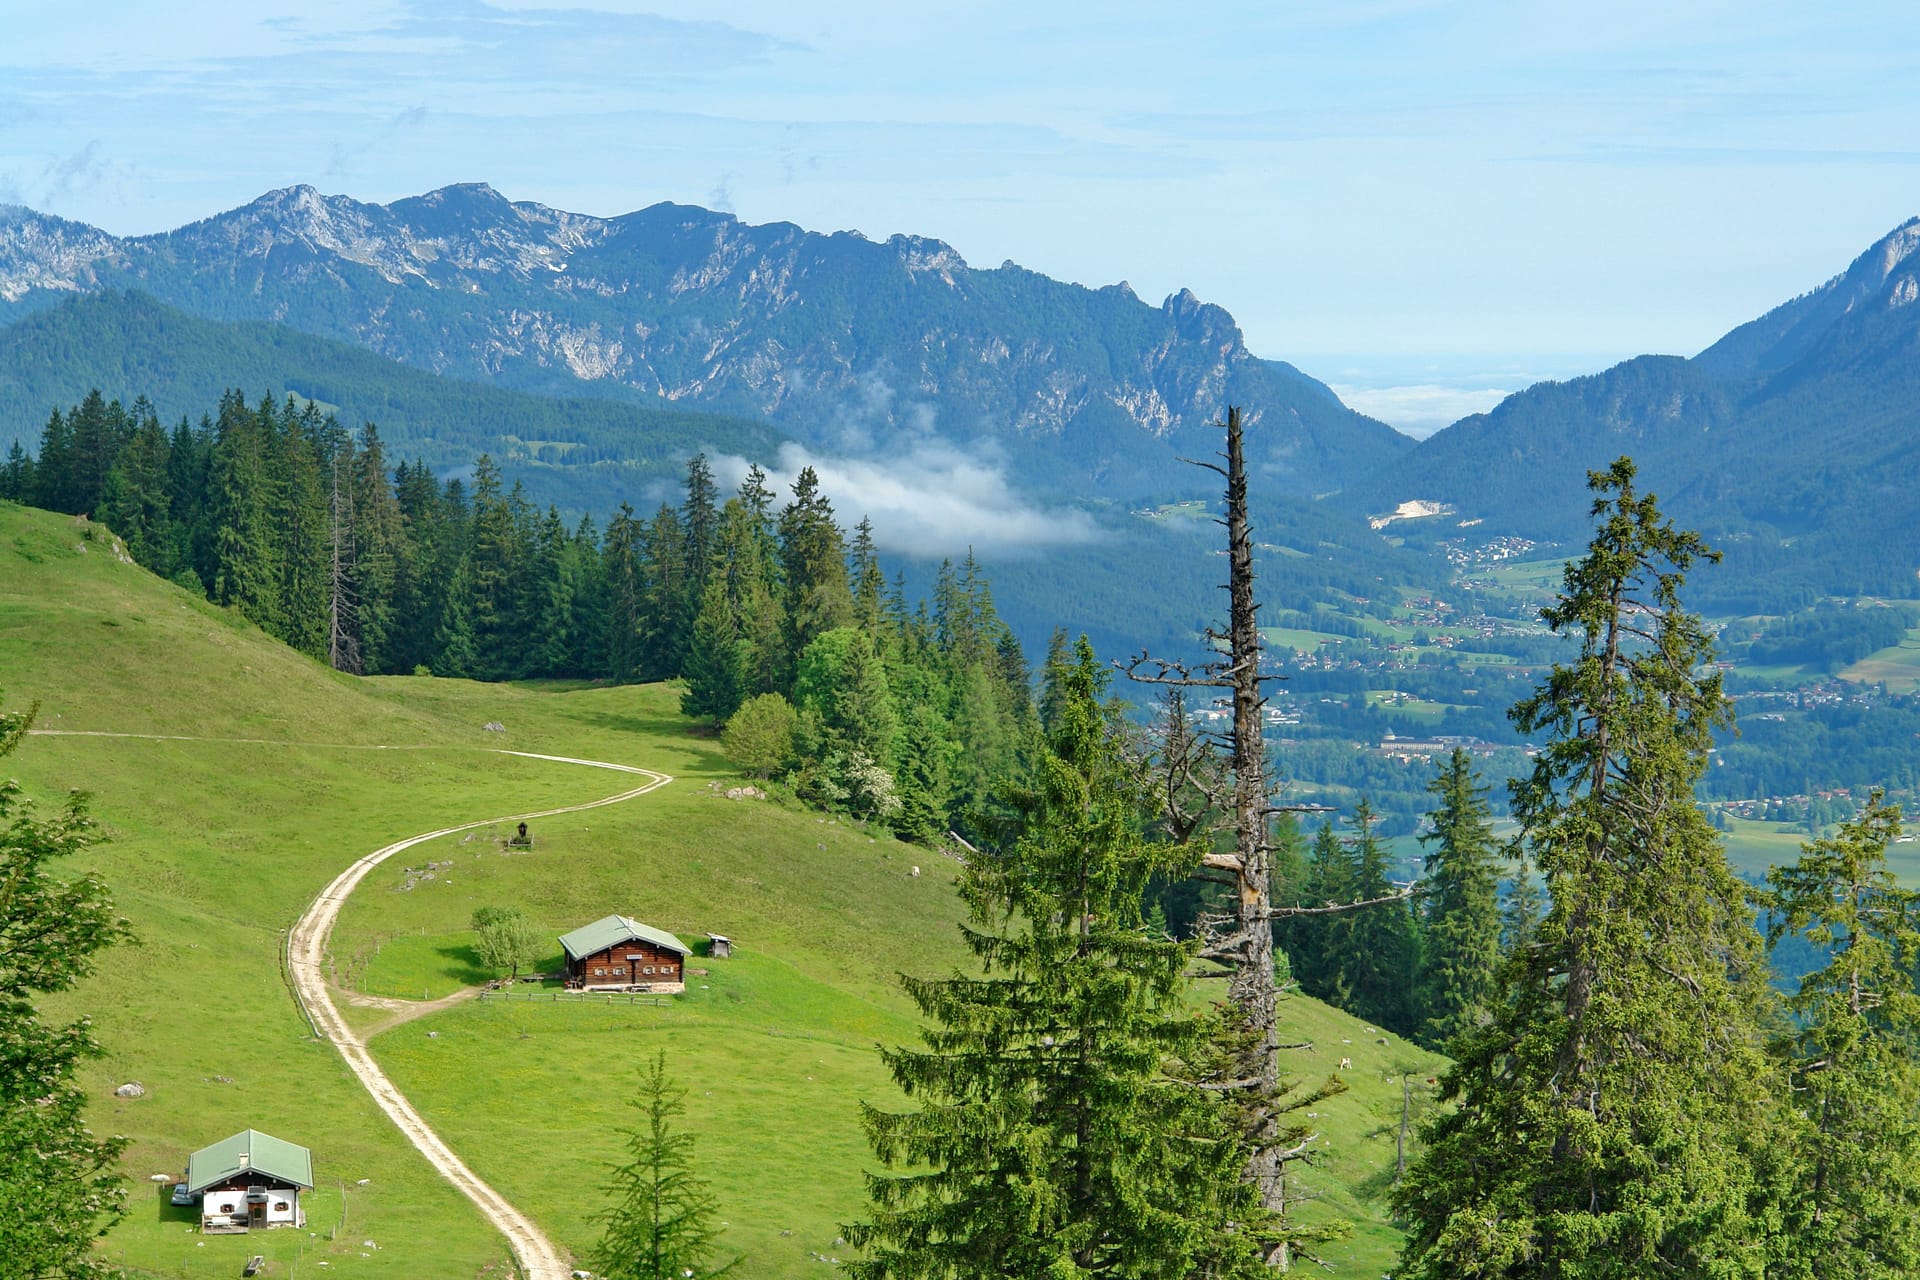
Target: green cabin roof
column 590, row 939
column 249, row 1149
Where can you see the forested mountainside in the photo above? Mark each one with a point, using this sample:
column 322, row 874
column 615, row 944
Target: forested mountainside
column 586, row 456
column 1791, row 443
column 834, row 338
column 584, row 453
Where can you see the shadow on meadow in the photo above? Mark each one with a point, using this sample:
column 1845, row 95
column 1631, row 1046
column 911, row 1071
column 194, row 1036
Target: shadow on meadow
column 463, row 963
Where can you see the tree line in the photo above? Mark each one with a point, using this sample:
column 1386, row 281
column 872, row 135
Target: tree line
column 895, row 710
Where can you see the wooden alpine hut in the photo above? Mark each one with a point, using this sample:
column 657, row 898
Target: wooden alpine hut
column 250, row 1180
column 619, row 954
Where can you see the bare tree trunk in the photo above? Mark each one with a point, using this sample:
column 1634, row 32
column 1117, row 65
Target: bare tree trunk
column 1242, row 938
column 1253, row 987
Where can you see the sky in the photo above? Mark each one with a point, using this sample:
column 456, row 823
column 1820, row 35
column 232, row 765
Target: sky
column 1426, row 205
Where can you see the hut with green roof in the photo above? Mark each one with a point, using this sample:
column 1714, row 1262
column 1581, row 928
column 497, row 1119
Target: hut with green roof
column 621, row 954
column 251, row 1180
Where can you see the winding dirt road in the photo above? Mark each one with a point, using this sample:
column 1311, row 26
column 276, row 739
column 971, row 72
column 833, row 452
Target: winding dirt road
column 539, row 1257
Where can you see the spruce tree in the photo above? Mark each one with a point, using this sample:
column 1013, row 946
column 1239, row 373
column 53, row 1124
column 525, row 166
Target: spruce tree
column 136, row 504
column 716, row 664
column 621, row 572
column 1853, row 1209
column 1461, row 947
column 493, row 570
column 667, row 619
column 55, row 484
column 244, row 500
column 380, row 544
column 813, row 566
column 1381, row 949
column 1049, row 1139
column 664, row 1220
column 1524, row 905
column 1604, row 1122
column 1318, row 944
column 16, row 475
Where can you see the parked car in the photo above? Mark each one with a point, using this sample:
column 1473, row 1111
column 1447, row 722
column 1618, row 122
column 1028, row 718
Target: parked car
column 181, row 1196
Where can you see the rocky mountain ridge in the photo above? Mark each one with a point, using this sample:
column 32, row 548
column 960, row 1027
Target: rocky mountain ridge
column 837, row 339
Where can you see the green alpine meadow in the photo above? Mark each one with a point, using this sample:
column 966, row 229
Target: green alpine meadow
column 733, row 641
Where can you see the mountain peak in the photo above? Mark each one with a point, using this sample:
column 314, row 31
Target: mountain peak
column 1781, row 337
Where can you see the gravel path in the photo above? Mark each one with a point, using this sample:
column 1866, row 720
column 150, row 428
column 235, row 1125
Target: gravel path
column 539, row 1257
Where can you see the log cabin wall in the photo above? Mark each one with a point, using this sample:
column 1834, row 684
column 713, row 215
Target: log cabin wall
column 628, row 965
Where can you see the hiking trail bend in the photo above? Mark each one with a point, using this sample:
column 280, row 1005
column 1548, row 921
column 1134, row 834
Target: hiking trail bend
column 307, row 948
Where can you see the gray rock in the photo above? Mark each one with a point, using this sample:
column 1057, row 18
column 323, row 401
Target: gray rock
column 132, row 1089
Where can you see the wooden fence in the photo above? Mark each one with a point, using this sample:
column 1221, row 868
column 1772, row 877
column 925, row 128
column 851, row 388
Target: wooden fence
column 576, row 997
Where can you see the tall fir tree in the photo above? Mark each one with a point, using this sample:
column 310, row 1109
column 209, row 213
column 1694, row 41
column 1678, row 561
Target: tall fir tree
column 379, row 539
column 664, row 1222
column 625, row 595
column 1049, row 1139
column 1853, row 1208
column 813, row 563
column 1460, row 956
column 16, row 475
column 1317, row 944
column 1382, row 952
column 1605, row 1122
column 668, row 621
column 244, row 499
column 492, row 575
column 717, row 655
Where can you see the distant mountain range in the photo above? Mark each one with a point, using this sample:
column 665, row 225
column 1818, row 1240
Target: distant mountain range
column 835, row 339
column 1793, row 442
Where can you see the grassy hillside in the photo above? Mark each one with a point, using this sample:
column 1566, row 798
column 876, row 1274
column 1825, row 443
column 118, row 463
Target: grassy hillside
column 217, row 845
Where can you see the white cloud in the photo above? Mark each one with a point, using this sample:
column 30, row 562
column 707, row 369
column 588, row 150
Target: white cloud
column 927, row 498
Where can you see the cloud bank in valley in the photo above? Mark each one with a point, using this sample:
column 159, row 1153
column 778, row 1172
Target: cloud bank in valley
column 927, row 497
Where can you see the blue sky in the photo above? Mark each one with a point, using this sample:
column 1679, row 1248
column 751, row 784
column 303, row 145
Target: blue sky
column 1423, row 203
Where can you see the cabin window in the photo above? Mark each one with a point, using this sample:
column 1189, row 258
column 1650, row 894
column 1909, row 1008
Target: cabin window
column 599, row 973
column 279, row 1206
column 649, row 968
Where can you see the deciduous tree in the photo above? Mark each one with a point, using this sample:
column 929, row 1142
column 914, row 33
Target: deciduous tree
column 59, row 1185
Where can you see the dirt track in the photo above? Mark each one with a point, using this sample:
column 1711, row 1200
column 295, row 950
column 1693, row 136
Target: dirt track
column 539, row 1257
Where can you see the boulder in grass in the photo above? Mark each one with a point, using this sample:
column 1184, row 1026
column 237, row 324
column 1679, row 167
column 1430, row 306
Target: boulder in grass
column 131, row 1089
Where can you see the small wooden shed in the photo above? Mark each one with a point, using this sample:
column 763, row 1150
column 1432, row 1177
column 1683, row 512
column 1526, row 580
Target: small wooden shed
column 621, row 954
column 719, row 946
column 251, row 1180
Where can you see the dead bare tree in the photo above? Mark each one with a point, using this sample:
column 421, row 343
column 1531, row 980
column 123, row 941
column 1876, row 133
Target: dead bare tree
column 1199, row 793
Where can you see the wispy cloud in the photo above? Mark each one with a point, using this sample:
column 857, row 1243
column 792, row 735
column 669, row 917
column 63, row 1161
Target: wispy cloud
column 929, row 498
